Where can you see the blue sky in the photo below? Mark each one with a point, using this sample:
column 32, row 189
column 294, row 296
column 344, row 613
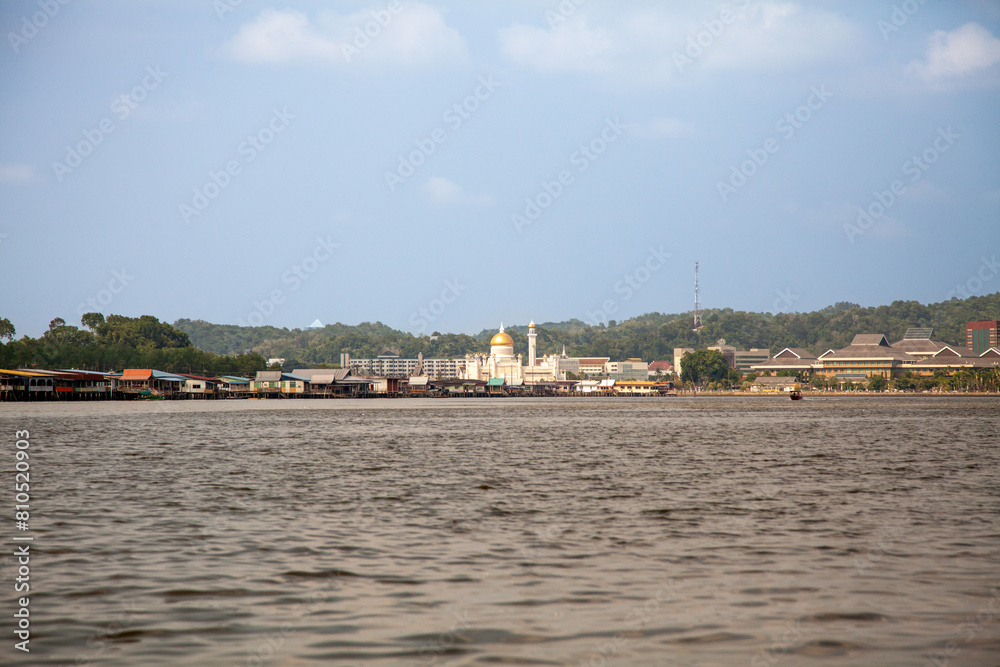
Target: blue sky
column 447, row 165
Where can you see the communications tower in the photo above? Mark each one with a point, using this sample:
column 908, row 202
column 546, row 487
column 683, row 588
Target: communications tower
column 697, row 300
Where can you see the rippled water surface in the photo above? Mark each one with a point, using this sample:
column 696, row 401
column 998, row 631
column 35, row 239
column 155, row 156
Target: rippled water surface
column 707, row 531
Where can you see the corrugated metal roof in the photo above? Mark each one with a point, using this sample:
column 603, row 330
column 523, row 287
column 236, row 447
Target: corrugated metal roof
column 169, row 377
column 27, row 374
column 268, row 376
column 137, row 374
column 495, row 382
column 420, row 381
column 329, row 378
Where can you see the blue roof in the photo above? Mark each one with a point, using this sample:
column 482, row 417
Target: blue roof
column 292, row 376
column 169, row 377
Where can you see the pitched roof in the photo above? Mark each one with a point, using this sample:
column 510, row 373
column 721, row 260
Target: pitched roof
column 795, row 351
column 591, row 361
column 660, row 365
column 268, row 376
column 137, row 373
column 870, row 339
column 869, row 351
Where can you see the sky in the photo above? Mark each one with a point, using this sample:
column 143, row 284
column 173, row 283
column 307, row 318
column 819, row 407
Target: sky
column 445, row 166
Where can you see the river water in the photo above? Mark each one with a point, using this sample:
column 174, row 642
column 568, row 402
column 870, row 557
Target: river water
column 675, row 531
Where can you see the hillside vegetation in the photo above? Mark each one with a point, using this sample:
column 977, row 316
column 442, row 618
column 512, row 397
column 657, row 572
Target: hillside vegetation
column 650, row 336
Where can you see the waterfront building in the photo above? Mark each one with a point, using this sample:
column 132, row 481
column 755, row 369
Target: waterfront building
column 774, row 384
column 743, row 360
column 592, row 365
column 868, row 355
column 277, row 382
column 982, row 335
column 920, row 343
column 500, row 363
column 630, row 369
column 136, row 380
column 793, row 359
column 390, row 364
column 661, row 367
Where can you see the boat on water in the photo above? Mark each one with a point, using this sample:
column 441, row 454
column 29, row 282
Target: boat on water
column 147, row 395
column 796, row 393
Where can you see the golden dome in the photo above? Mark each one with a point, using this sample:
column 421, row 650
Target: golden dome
column 502, row 340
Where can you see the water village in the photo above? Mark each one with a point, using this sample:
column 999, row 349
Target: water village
column 870, row 362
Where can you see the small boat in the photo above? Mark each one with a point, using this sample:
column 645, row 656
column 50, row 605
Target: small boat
column 795, row 394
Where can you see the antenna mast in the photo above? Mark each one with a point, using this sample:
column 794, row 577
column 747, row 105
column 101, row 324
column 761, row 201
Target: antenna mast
column 697, row 300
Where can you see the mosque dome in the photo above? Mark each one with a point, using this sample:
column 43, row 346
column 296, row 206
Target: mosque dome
column 502, row 340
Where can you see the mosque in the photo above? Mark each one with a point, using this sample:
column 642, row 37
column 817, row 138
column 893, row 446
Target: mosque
column 502, row 363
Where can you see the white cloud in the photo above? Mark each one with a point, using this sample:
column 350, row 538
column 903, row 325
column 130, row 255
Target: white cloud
column 442, row 191
column 16, row 174
column 964, row 50
column 416, row 35
column 661, row 128
column 661, row 44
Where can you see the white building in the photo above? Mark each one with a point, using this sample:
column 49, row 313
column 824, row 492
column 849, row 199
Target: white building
column 502, row 363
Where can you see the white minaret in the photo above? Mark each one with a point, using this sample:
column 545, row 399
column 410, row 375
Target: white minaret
column 531, row 345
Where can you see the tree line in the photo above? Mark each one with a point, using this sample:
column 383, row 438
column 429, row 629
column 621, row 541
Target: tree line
column 649, row 337
column 115, row 343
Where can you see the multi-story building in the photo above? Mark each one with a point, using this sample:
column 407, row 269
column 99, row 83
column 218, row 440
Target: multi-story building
column 679, row 353
column 982, row 335
column 727, row 351
column 744, row 359
column 593, row 365
column 389, row 364
column 630, row 369
column 868, row 355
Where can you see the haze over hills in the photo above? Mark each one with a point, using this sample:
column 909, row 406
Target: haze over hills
column 649, row 336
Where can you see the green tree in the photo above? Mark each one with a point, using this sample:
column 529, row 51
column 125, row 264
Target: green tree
column 7, row 329
column 703, row 366
column 92, row 320
column 878, row 383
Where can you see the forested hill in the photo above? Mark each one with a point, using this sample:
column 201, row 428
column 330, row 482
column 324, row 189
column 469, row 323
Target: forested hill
column 650, row 336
